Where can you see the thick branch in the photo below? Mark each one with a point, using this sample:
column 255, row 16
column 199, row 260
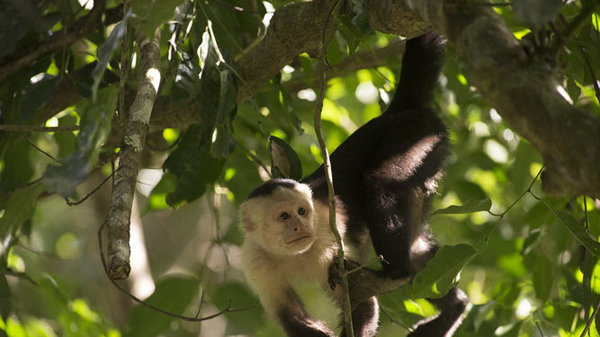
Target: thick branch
column 295, row 28
column 298, row 28
column 524, row 90
column 130, row 159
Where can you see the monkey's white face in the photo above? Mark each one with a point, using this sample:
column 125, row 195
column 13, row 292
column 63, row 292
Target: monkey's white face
column 282, row 223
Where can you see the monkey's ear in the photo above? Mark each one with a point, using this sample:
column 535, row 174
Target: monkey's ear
column 246, row 213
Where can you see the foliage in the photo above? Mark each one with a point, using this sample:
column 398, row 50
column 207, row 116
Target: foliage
column 528, row 261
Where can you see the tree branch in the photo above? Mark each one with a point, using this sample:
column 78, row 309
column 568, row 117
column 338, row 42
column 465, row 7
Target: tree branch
column 25, row 58
column 130, row 159
column 297, row 28
column 525, row 92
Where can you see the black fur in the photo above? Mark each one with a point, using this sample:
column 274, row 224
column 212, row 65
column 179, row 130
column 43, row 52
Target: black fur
column 385, row 172
column 268, row 187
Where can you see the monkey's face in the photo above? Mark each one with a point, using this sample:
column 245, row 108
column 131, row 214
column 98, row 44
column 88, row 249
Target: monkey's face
column 283, row 222
column 292, row 222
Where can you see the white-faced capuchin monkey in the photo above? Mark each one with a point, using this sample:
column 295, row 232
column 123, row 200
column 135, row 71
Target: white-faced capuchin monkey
column 384, row 175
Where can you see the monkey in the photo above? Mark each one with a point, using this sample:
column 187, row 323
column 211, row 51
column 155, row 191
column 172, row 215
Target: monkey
column 384, row 176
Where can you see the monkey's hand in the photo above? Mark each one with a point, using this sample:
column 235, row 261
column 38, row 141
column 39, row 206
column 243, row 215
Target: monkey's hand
column 335, row 274
column 364, row 283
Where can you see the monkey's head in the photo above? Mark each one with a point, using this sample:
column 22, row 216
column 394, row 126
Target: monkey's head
column 279, row 216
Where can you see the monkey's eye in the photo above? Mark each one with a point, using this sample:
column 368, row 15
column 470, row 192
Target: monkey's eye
column 301, row 210
column 284, row 216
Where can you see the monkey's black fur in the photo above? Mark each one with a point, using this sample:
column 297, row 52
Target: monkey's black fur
column 384, row 175
column 384, row 172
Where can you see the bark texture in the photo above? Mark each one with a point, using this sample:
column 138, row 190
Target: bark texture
column 130, row 160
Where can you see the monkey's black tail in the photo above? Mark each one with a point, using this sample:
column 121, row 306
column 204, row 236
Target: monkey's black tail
column 421, row 66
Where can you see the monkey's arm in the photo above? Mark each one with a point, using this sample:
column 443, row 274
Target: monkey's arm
column 281, row 302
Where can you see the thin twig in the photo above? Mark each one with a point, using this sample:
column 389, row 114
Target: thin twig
column 78, row 202
column 254, row 157
column 527, row 191
column 40, row 150
column 322, row 84
column 37, row 128
column 589, row 322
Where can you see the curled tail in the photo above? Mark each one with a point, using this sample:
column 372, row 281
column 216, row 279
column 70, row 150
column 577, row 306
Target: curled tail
column 421, row 66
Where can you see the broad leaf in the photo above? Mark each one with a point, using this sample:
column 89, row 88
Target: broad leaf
column 237, row 296
column 441, row 272
column 35, row 95
column 152, row 13
column 285, row 162
column 172, row 294
column 471, row 206
column 543, row 277
column 578, row 232
column 218, row 98
column 531, row 241
column 17, row 167
column 194, row 167
column 94, row 128
column 105, row 51
column 19, row 209
column 223, row 142
column 5, row 295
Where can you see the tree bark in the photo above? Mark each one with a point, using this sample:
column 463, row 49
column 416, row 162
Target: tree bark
column 526, row 92
column 130, row 160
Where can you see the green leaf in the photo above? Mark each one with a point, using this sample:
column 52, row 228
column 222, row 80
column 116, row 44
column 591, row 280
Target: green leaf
column 285, row 162
column 471, row 206
column 35, row 95
column 17, row 167
column 19, row 209
column 66, row 141
column 237, row 296
column 440, row 273
column 223, row 142
column 543, row 277
column 150, row 14
column 95, row 127
column 587, row 269
column 531, row 241
column 578, row 232
column 105, row 51
column 511, row 330
column 158, row 197
column 5, row 298
column 354, row 26
column 218, row 98
column 172, row 294
column 194, row 167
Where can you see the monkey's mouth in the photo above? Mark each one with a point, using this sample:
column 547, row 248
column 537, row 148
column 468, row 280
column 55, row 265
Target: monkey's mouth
column 299, row 239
